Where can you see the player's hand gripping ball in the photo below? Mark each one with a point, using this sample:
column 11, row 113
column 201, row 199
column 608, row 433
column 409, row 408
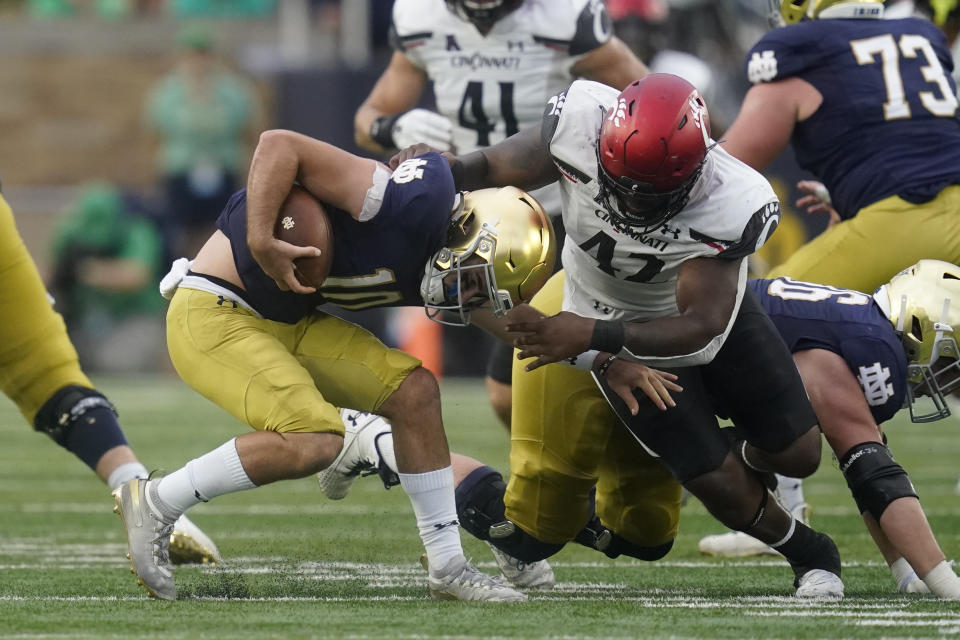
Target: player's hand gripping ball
column 304, row 222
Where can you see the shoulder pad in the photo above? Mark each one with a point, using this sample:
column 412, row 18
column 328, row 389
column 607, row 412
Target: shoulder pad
column 413, row 22
column 782, row 53
column 578, row 25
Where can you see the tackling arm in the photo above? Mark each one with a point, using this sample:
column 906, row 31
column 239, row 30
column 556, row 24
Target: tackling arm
column 522, row 160
column 708, row 296
column 613, row 64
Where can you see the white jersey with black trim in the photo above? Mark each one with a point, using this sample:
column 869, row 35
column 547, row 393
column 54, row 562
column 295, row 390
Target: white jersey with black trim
column 492, row 86
column 614, row 272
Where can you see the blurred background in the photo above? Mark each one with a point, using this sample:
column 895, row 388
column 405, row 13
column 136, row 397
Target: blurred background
column 127, row 123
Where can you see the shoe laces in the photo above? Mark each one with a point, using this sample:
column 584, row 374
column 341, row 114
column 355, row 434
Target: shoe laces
column 472, row 576
column 161, row 544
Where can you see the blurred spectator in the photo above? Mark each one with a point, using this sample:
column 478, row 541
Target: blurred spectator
column 204, row 118
column 107, row 259
column 223, row 8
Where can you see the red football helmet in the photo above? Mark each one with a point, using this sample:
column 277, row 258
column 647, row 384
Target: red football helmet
column 651, row 149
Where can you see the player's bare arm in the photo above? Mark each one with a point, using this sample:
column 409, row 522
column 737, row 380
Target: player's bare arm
column 837, row 399
column 522, row 160
column 767, row 116
column 332, row 175
column 397, row 90
column 706, row 296
column 613, row 64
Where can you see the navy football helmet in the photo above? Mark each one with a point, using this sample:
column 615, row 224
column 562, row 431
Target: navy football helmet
column 651, row 150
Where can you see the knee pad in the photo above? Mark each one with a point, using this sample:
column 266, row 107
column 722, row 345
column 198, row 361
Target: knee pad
column 620, row 546
column 874, row 477
column 481, row 510
column 508, row 537
column 480, row 501
column 82, row 421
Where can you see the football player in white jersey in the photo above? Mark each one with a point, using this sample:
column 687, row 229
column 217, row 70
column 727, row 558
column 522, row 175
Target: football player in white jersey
column 659, row 221
column 492, row 63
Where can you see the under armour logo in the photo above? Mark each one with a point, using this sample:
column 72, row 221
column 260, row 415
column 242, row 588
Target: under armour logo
column 444, row 525
column 875, row 383
column 518, row 44
column 762, row 67
column 667, row 230
column 222, row 301
column 602, row 308
column 287, row 223
column 452, row 44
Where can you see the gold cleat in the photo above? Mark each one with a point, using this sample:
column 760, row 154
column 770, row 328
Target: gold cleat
column 190, row 545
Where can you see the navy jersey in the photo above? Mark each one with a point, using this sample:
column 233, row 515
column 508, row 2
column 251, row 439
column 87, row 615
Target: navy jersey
column 376, row 263
column 888, row 122
column 848, row 323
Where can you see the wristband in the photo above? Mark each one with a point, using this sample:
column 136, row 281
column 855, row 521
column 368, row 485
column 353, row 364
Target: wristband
column 608, row 335
column 584, row 361
column 602, row 369
column 381, row 130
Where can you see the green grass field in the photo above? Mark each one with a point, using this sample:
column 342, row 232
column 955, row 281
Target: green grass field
column 300, row 566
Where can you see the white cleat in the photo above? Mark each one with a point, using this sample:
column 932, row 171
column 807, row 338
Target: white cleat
column 336, row 480
column 524, row 575
column 190, row 545
column 734, row 544
column 148, row 539
column 737, row 544
column 820, row 584
column 460, row 580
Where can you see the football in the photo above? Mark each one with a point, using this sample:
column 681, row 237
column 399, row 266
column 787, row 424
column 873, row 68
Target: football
column 303, row 221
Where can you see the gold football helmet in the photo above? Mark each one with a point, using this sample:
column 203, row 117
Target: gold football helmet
column 792, row 11
column 499, row 240
column 923, row 303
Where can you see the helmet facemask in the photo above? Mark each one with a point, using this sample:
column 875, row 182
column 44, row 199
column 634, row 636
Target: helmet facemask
column 934, row 376
column 635, row 205
column 482, row 13
column 923, row 303
column 450, row 273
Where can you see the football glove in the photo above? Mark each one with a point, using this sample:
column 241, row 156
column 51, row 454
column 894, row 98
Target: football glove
column 422, row 125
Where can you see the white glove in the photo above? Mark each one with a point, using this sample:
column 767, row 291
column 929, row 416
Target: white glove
column 422, row 125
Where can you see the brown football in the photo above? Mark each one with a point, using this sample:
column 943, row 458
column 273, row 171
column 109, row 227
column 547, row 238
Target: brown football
column 303, row 221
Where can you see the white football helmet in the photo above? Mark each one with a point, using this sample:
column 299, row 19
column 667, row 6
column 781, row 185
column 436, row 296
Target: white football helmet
column 923, row 303
column 513, row 239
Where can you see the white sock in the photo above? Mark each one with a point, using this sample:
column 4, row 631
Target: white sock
column 906, row 578
column 943, row 582
column 790, row 493
column 125, row 473
column 431, row 494
column 202, row 479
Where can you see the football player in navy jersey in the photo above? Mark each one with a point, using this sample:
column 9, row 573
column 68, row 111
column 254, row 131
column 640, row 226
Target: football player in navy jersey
column 492, row 64
column 243, row 331
column 659, row 221
column 871, row 110
column 41, row 374
column 861, row 359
